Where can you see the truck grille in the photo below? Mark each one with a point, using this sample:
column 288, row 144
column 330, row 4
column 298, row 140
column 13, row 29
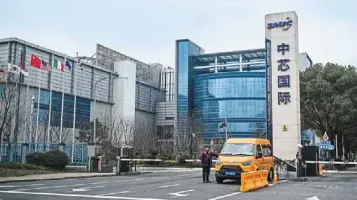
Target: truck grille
column 231, row 168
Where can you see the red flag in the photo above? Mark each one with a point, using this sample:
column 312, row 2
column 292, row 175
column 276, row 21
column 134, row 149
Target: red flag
column 35, row 61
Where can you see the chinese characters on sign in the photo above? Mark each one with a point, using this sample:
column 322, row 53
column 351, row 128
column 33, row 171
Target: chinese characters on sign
column 283, row 80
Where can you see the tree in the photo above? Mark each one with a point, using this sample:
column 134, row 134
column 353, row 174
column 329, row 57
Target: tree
column 187, row 128
column 9, row 110
column 329, row 100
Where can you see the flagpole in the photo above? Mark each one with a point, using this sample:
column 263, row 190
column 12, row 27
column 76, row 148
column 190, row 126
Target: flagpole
column 74, row 107
column 26, row 112
column 14, row 117
column 50, row 106
column 38, row 106
column 62, row 103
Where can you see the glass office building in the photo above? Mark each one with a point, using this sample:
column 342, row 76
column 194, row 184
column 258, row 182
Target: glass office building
column 221, row 86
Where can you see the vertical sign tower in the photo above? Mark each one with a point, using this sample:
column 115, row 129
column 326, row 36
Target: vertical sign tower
column 283, row 86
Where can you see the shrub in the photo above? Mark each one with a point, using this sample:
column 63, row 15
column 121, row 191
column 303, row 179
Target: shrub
column 21, row 166
column 52, row 159
column 36, row 158
column 56, row 159
column 181, row 159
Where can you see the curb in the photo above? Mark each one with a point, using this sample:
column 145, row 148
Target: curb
column 72, row 177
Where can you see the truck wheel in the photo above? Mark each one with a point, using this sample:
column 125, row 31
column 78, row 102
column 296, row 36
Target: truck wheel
column 271, row 175
column 219, row 180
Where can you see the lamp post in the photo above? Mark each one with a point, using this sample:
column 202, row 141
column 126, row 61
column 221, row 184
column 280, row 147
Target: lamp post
column 94, row 122
column 223, row 125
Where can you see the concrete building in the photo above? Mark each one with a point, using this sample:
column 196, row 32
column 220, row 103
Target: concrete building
column 146, row 89
column 119, row 84
column 240, row 89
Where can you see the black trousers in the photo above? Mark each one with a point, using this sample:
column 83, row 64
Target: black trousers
column 205, row 172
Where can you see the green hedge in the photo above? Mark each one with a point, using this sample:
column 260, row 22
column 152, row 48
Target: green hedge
column 51, row 159
column 21, row 166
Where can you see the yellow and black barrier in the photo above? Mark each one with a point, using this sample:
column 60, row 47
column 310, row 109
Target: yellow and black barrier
column 254, row 180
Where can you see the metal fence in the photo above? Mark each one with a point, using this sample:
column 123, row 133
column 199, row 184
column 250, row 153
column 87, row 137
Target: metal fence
column 13, row 153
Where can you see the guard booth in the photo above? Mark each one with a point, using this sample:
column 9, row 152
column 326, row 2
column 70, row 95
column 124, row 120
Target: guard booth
column 311, row 153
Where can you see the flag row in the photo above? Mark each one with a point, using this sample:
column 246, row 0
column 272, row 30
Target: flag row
column 41, row 64
column 38, row 63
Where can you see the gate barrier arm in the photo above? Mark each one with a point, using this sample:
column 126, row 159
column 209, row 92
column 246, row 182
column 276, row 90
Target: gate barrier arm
column 331, row 162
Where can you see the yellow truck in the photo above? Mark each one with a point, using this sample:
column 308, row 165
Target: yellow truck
column 240, row 155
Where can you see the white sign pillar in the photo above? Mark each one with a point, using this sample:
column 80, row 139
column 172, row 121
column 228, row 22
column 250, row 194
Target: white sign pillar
column 283, row 86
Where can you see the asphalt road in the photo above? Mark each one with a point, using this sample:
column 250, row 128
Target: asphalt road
column 177, row 185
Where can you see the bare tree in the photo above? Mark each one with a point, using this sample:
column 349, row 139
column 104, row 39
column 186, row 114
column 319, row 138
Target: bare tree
column 187, row 130
column 144, row 140
column 9, row 109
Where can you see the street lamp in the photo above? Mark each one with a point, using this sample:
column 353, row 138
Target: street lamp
column 224, row 125
column 94, row 122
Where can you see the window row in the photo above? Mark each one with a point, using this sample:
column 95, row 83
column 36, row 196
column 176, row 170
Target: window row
column 230, row 87
column 231, row 109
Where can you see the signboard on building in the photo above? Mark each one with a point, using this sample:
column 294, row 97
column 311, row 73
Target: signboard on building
column 283, row 95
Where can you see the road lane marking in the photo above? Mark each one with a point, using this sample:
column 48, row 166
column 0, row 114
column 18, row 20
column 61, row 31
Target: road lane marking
column 37, row 184
column 86, row 188
column 12, row 186
column 313, row 198
column 167, row 186
column 78, row 195
column 181, row 193
column 113, row 193
column 224, row 196
column 81, row 184
column 56, row 186
column 94, row 183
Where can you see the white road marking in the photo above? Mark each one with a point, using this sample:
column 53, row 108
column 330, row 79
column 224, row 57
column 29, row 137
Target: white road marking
column 86, row 188
column 12, row 186
column 56, row 186
column 78, row 195
column 167, row 186
column 224, row 196
column 81, row 184
column 313, row 198
column 113, row 193
column 34, row 185
column 181, row 193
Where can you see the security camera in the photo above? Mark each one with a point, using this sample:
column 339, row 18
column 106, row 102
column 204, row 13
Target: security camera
column 33, row 98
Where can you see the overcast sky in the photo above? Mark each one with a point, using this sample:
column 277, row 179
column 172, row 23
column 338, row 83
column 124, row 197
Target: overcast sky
column 147, row 29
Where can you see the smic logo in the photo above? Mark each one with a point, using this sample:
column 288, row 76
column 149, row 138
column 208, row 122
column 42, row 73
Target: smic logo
column 283, row 24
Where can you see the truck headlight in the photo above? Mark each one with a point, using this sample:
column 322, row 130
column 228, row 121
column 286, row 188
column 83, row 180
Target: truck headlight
column 247, row 163
column 218, row 162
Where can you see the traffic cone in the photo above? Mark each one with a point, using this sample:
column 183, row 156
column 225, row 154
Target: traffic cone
column 321, row 172
column 275, row 179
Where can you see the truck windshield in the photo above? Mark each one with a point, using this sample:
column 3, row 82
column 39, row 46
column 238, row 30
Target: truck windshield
column 238, row 149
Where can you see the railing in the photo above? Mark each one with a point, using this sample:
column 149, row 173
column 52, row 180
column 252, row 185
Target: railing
column 13, row 153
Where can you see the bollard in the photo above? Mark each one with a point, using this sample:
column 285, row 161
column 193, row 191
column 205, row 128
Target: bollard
column 89, row 164
column 100, row 164
column 321, row 172
column 24, row 152
column 118, row 166
column 275, row 180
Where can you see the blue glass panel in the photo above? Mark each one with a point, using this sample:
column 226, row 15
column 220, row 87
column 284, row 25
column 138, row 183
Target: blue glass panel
column 185, row 49
column 82, row 109
column 240, row 97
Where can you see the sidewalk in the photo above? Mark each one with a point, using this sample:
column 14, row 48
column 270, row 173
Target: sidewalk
column 55, row 176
